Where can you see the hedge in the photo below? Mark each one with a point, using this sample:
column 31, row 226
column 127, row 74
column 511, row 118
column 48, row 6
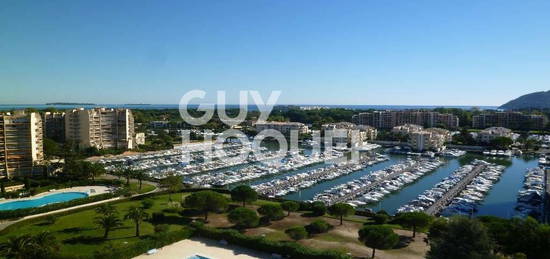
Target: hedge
column 291, row 249
column 11, row 214
column 143, row 245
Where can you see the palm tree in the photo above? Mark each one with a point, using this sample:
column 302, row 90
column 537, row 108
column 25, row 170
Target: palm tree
column 106, row 209
column 108, row 222
column 16, row 247
column 118, row 171
column 44, row 244
column 96, row 170
column 128, row 174
column 137, row 214
column 140, row 176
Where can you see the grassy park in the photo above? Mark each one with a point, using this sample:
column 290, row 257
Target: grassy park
column 78, row 234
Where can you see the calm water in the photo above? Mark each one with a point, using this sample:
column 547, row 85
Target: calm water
column 45, row 200
column 500, row 201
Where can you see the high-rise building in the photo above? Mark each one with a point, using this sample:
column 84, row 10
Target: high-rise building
column 101, row 128
column 390, row 119
column 509, row 119
column 21, row 144
column 54, row 126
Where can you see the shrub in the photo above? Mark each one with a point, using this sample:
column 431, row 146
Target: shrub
column 162, row 228
column 318, row 226
column 297, row 233
column 147, row 203
column 380, row 218
column 50, row 219
column 142, row 246
column 157, row 217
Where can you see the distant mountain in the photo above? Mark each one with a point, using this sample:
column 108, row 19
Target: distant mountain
column 537, row 100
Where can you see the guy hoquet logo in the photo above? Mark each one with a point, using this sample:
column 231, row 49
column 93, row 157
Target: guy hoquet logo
column 285, row 146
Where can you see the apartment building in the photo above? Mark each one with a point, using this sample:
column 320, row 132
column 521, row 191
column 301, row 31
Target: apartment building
column 390, row 119
column 421, row 139
column 283, row 127
column 509, row 119
column 342, row 133
column 487, row 135
column 101, row 128
column 54, row 126
column 426, row 140
column 21, row 144
column 406, row 129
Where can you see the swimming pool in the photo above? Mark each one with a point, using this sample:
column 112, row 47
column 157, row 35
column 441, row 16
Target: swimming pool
column 44, row 200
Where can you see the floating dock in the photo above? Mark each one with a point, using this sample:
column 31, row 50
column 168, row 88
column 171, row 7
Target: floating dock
column 440, row 204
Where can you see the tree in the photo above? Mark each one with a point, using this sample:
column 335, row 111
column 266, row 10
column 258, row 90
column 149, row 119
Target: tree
column 378, row 237
column 17, row 247
column 108, row 222
column 106, row 209
column 244, row 194
column 297, row 233
column 463, row 238
column 501, row 142
column 118, row 171
column 140, row 176
column 414, row 220
column 127, row 173
column 41, row 246
column 437, row 228
column 243, row 218
column 136, row 214
column 172, row 183
column 147, row 203
column 290, row 206
column 206, row 201
column 271, row 211
column 318, row 208
column 341, row 210
column 96, row 170
column 380, row 218
column 44, row 245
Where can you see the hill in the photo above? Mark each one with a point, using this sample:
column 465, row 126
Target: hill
column 537, row 100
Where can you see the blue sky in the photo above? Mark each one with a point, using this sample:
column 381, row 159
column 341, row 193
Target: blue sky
column 315, row 52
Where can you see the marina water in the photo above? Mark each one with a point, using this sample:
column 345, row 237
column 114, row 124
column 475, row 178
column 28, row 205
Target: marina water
column 500, row 201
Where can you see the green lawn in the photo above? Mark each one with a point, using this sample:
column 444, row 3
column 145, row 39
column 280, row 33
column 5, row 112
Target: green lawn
column 78, row 235
column 144, row 187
